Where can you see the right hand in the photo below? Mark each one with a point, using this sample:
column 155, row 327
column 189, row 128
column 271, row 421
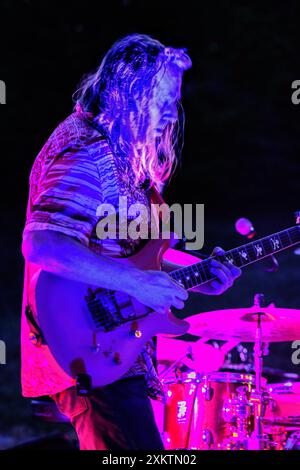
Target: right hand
column 159, row 291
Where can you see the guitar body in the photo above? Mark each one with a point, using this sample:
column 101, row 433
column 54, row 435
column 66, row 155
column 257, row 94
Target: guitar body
column 96, row 331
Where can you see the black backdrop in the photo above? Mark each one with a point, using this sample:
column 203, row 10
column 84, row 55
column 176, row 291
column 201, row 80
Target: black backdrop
column 241, row 142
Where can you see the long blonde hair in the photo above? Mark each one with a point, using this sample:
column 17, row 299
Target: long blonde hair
column 117, row 97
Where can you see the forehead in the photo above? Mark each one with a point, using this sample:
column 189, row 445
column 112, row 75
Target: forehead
column 169, row 83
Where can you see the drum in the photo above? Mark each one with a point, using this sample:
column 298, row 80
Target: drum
column 282, row 417
column 208, row 412
column 284, row 406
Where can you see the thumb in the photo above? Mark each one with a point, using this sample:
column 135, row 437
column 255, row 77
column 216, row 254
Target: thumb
column 218, row 251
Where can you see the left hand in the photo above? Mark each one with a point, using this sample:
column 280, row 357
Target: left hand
column 225, row 274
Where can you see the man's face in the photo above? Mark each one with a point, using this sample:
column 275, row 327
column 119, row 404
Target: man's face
column 163, row 106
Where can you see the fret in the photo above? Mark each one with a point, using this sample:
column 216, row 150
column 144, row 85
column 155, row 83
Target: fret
column 275, row 243
column 294, row 234
column 289, row 237
column 194, row 278
column 200, row 268
column 188, row 278
column 285, row 239
column 239, row 255
column 258, row 249
column 196, row 272
column 175, row 275
column 199, row 273
column 182, row 277
column 229, row 257
column 235, row 256
column 182, row 282
column 206, row 270
column 269, row 245
column 244, row 256
column 251, row 252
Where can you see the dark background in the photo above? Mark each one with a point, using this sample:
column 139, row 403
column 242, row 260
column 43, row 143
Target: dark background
column 241, row 143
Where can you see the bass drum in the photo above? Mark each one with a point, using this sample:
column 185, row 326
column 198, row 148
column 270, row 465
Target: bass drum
column 206, row 412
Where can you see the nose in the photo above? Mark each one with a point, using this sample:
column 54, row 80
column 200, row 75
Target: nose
column 171, row 115
column 173, row 112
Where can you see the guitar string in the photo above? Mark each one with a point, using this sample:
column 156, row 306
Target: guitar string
column 188, row 272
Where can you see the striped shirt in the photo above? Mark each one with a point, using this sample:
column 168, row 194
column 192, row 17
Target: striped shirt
column 75, row 171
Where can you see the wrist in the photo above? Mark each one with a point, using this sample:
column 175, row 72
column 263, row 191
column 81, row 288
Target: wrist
column 132, row 279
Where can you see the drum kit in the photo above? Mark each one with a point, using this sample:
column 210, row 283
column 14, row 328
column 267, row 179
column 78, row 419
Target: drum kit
column 211, row 404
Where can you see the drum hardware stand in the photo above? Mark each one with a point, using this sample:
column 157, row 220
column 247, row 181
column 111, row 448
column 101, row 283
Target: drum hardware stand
column 207, row 390
column 237, row 412
column 259, row 398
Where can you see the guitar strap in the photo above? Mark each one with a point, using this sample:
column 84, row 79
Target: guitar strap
column 157, row 200
column 35, row 333
column 156, row 197
column 35, row 336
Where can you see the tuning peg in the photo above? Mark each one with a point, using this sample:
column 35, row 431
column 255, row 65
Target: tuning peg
column 259, row 300
column 297, row 216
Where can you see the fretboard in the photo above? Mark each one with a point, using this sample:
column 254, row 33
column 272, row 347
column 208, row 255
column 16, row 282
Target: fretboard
column 199, row 273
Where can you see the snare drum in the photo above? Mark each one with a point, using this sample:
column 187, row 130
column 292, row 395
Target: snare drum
column 202, row 412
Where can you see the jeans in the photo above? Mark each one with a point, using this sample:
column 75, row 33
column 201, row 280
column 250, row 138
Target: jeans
column 118, row 416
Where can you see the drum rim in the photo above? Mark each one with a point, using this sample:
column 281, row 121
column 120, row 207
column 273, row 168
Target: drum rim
column 230, row 377
column 221, row 377
column 284, row 388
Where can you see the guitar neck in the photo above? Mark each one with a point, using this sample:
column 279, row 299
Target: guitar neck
column 199, row 273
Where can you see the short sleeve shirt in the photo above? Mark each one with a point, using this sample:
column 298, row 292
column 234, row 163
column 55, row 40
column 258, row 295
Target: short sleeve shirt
column 73, row 174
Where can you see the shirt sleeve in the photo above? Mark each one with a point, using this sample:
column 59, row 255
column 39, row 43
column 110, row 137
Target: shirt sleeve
column 67, row 197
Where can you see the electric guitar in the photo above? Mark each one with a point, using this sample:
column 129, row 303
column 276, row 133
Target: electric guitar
column 100, row 332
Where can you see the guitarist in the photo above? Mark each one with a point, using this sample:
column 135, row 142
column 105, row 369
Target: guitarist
column 118, row 141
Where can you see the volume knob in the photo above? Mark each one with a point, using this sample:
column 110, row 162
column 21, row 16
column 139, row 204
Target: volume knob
column 135, row 331
column 117, row 358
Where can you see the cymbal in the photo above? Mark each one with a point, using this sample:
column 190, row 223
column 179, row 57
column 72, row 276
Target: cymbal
column 278, row 324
